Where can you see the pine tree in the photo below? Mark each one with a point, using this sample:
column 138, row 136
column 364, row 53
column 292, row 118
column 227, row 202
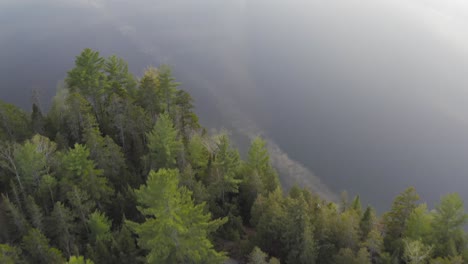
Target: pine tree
column 10, row 255
column 224, row 177
column 163, row 144
column 79, row 260
column 448, row 223
column 257, row 256
column 38, row 248
column 80, row 170
column 61, row 228
column 396, row 220
column 175, row 230
column 367, row 222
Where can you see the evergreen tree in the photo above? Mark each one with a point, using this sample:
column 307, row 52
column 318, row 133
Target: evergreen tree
column 62, row 229
column 81, row 171
column 79, row 260
column 168, row 88
column 395, row 220
column 175, row 230
column 448, row 223
column 163, row 145
column 14, row 123
column 367, row 222
column 88, row 78
column 10, row 255
column 257, row 256
column 37, row 120
column 119, row 79
column 38, row 248
column 224, row 173
column 149, row 95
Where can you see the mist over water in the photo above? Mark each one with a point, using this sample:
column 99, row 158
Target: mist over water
column 370, row 96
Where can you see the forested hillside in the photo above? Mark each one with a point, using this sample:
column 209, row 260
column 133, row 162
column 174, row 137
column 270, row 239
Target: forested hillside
column 119, row 170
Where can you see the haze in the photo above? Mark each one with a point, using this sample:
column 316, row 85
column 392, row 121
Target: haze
column 367, row 96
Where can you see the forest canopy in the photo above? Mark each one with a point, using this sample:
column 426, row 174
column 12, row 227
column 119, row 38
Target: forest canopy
column 119, row 170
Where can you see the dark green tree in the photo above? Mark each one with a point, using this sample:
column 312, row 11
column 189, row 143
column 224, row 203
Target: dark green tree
column 10, row 254
column 163, row 144
column 62, row 229
column 395, row 220
column 38, row 248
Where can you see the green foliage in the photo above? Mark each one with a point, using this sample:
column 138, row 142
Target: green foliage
column 99, row 226
column 367, row 222
column 80, row 170
column 149, row 94
column 163, row 145
column 448, row 260
column 347, row 256
column 416, row 252
column 449, row 220
column 17, row 220
column 259, row 177
column 37, row 120
column 168, row 87
column 124, row 248
column 258, row 162
column 419, row 225
column 14, row 123
column 68, row 192
column 186, row 120
column 87, row 76
column 356, row 205
column 79, row 260
column 10, row 255
column 62, row 228
column 257, row 256
column 108, row 157
column 119, row 79
column 224, row 173
column 396, row 220
column 268, row 217
column 38, row 248
column 81, row 203
column 175, row 230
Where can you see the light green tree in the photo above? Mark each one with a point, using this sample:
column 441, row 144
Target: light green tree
column 258, row 161
column 419, row 225
column 10, row 254
column 257, row 256
column 416, row 252
column 448, row 223
column 119, row 79
column 259, row 177
column 80, row 170
column 79, row 260
column 175, row 229
column 88, row 78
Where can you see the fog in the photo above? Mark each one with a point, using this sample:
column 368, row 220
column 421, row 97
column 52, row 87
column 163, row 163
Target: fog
column 365, row 96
